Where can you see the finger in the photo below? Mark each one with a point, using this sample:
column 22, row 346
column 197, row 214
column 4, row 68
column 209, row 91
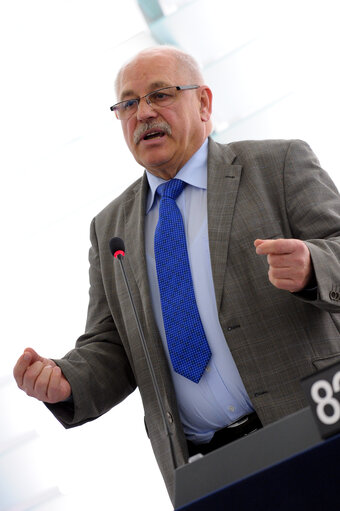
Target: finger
column 59, row 388
column 298, row 264
column 277, row 246
column 280, row 261
column 30, row 377
column 20, row 367
column 281, row 272
column 54, row 387
column 258, row 242
column 35, row 357
column 41, row 385
column 284, row 284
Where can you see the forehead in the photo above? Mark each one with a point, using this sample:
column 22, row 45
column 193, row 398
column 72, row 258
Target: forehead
column 147, row 73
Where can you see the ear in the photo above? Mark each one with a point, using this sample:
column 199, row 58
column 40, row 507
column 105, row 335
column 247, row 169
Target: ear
column 206, row 103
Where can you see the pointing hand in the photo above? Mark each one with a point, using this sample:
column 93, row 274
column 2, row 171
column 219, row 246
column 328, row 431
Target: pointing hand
column 290, row 265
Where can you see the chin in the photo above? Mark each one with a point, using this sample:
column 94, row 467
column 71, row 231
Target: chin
column 155, row 162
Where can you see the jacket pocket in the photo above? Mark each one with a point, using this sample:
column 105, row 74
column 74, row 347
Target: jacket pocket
column 322, row 363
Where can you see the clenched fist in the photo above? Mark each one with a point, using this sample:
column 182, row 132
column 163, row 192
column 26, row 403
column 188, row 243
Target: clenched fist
column 290, row 265
column 41, row 378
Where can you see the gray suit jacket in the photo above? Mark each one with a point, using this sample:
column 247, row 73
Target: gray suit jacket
column 270, row 189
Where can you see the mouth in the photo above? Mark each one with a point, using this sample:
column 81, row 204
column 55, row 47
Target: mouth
column 151, row 131
column 150, row 135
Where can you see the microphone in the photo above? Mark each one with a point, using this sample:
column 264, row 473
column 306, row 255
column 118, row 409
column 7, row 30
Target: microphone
column 117, row 249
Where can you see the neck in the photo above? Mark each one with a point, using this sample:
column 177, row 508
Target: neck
column 167, row 170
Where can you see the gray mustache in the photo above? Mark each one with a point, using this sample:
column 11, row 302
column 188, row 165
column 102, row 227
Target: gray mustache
column 146, row 126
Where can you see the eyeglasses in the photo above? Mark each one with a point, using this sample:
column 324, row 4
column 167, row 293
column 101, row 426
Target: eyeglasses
column 158, row 98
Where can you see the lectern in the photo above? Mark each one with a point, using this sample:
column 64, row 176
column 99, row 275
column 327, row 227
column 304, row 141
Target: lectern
column 284, row 466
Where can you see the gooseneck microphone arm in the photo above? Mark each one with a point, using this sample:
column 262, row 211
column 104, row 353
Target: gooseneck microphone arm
column 118, row 251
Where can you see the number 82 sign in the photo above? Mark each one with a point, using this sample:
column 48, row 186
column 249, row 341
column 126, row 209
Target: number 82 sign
column 323, row 393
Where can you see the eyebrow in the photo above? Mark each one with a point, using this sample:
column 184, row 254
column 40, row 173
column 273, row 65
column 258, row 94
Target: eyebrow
column 152, row 86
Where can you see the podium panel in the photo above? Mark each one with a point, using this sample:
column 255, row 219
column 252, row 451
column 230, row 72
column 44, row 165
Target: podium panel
column 229, row 471
column 307, row 481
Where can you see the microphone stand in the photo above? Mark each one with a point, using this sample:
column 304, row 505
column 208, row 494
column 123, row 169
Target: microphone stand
column 119, row 255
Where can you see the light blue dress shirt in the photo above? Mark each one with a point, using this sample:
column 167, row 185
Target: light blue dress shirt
column 220, row 397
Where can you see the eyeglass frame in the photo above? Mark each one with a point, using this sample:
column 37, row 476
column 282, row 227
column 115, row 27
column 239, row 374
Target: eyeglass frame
column 113, row 108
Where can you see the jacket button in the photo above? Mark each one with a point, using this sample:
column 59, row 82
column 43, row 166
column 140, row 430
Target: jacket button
column 170, row 417
column 334, row 295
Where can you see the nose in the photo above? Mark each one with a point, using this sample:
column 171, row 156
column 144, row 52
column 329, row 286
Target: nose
column 145, row 110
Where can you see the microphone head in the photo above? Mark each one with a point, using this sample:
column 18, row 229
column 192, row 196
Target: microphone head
column 117, row 247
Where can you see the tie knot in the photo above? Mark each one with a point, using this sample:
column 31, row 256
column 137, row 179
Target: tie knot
column 171, row 189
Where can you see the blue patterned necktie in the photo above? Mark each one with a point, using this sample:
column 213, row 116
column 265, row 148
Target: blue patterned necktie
column 188, row 347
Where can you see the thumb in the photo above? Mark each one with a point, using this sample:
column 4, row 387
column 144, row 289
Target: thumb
column 35, row 357
column 258, row 242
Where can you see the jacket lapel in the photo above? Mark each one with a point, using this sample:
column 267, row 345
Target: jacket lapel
column 223, row 182
column 134, row 218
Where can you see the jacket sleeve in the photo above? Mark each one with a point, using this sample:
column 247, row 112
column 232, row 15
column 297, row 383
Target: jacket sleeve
column 313, row 209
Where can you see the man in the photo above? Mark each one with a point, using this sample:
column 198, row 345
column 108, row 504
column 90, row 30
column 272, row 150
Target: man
column 268, row 321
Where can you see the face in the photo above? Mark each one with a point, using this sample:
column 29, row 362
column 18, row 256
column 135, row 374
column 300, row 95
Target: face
column 181, row 128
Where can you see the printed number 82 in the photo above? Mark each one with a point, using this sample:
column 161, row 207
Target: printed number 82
column 327, row 399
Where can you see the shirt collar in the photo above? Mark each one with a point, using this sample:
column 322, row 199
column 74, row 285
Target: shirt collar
column 193, row 173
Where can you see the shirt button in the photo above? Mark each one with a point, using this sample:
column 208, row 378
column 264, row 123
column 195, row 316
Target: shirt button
column 170, row 417
column 207, row 369
column 231, row 408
